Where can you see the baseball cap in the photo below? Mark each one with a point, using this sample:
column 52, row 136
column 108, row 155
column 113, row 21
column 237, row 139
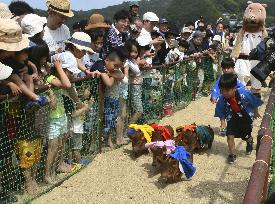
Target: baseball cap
column 150, row 16
column 186, row 30
column 163, row 20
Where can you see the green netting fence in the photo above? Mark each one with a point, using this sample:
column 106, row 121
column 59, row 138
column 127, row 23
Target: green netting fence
column 24, row 143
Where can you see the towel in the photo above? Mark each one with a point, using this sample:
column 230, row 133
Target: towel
column 204, row 134
column 169, row 144
column 147, row 131
column 191, row 128
column 164, row 131
column 181, row 155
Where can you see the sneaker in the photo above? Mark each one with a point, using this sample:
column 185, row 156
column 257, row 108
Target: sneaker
column 231, row 158
column 42, row 101
column 249, row 148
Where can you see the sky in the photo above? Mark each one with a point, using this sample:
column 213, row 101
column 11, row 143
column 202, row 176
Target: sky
column 76, row 4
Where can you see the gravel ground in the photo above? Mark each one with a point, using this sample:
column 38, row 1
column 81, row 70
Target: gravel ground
column 114, row 177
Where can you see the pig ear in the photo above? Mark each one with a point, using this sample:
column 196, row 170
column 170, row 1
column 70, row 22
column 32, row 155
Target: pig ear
column 264, row 5
column 249, row 2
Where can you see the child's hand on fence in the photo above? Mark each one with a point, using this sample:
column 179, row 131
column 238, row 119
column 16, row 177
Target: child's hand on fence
column 14, row 88
column 95, row 74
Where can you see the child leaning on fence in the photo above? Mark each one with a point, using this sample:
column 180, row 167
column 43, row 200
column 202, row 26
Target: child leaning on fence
column 135, row 79
column 111, row 77
column 59, row 82
column 238, row 107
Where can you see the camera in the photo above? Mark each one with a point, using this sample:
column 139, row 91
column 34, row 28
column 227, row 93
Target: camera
column 265, row 52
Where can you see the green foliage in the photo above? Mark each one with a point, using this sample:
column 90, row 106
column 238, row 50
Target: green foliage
column 179, row 11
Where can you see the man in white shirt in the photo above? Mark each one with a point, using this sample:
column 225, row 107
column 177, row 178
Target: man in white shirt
column 150, row 20
column 55, row 30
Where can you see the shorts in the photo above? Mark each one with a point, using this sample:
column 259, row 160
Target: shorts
column 111, row 113
column 136, row 98
column 29, row 152
column 57, row 127
column 240, row 125
column 76, row 141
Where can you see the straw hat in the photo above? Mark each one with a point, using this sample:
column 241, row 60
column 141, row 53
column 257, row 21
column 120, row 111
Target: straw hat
column 62, row 7
column 11, row 38
column 81, row 41
column 96, row 21
column 32, row 24
column 5, row 71
column 4, row 11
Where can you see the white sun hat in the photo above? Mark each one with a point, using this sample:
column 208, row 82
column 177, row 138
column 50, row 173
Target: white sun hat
column 81, row 41
column 68, row 61
column 5, row 71
column 32, row 24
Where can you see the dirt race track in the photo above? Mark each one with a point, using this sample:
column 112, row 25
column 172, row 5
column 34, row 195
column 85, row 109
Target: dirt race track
column 114, row 177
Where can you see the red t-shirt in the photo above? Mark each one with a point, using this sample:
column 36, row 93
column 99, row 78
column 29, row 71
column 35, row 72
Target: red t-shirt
column 234, row 104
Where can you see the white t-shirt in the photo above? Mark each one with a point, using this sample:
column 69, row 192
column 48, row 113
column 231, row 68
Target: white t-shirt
column 144, row 38
column 55, row 38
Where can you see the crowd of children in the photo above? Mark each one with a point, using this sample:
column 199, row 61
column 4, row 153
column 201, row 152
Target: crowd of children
column 122, row 56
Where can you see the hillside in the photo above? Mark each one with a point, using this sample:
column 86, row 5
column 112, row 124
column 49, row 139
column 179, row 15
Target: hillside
column 181, row 11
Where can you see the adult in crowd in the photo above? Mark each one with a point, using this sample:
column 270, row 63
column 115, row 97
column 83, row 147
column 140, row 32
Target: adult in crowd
column 56, row 32
column 135, row 28
column 219, row 31
column 19, row 9
column 163, row 26
column 134, row 10
column 115, row 34
column 196, row 43
column 150, row 21
column 185, row 33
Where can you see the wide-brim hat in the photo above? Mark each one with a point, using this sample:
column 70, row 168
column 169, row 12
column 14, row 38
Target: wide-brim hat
column 4, row 11
column 81, row 41
column 62, row 7
column 96, row 21
column 11, row 37
column 5, row 71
